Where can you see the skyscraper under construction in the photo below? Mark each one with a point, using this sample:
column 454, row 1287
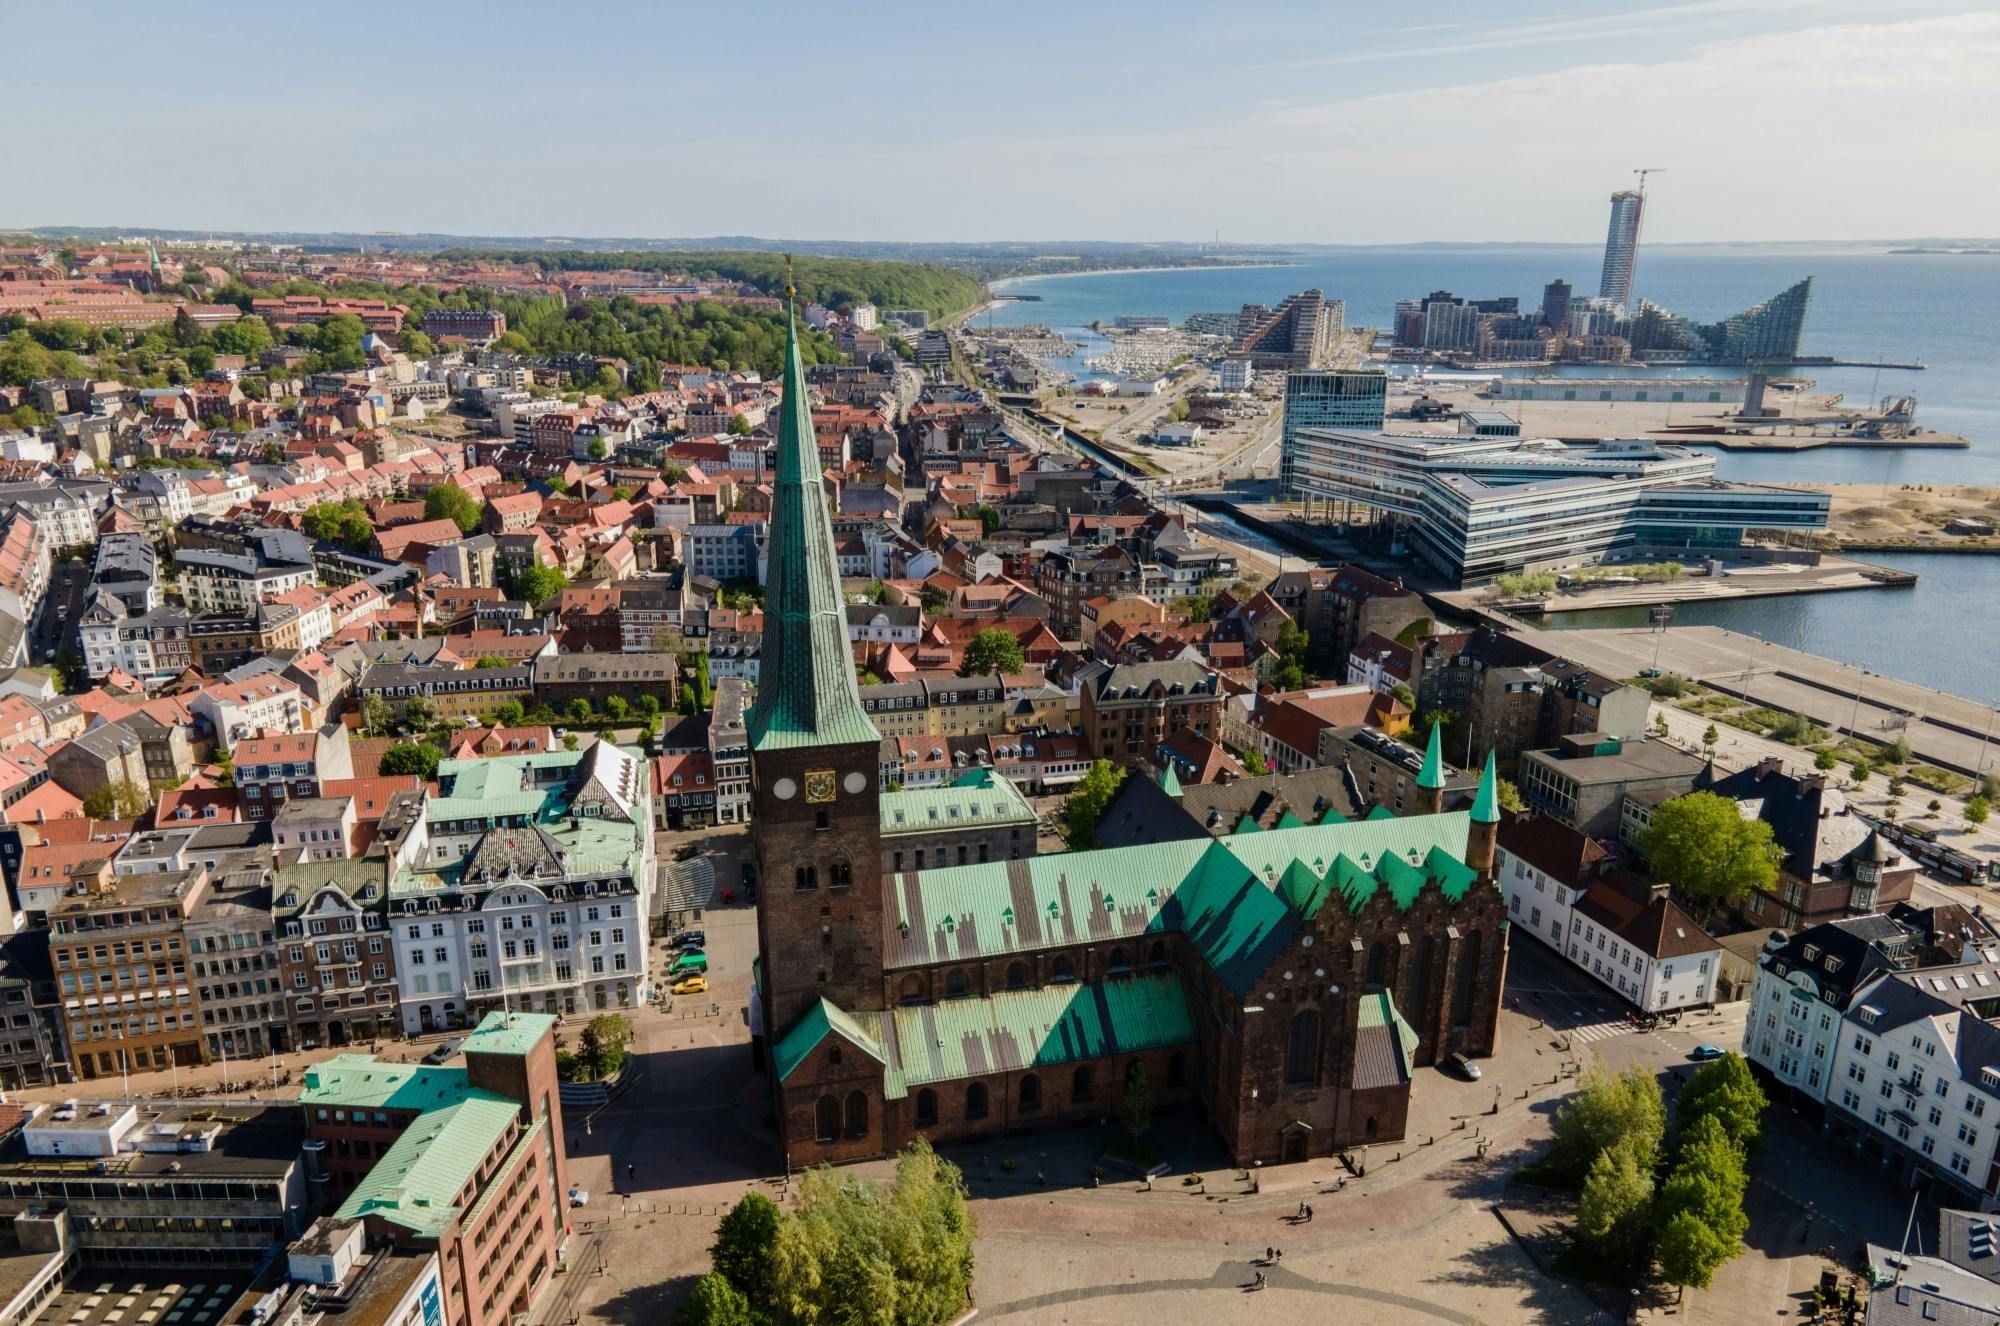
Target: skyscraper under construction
column 1621, row 247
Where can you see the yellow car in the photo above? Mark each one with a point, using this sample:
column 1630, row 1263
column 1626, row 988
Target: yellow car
column 691, row 985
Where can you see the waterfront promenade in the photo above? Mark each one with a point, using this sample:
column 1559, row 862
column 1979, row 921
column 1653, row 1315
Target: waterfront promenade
column 1947, row 730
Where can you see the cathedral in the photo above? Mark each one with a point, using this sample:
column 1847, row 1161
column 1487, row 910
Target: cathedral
column 1284, row 981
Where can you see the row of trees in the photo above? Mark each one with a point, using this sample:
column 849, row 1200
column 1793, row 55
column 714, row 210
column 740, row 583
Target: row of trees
column 849, row 1251
column 1634, row 1201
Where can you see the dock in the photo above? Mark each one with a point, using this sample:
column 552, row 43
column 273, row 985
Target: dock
column 1738, row 580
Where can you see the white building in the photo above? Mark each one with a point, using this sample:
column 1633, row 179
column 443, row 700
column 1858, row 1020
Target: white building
column 237, row 709
column 1635, row 939
column 1805, row 983
column 1236, row 375
column 1916, row 1076
column 864, row 317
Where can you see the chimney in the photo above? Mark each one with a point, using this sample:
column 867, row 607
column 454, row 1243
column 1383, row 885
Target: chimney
column 1658, row 892
column 1767, row 766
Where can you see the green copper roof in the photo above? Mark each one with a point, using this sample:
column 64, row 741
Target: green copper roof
column 509, row 1033
column 976, row 797
column 361, row 1081
column 1289, row 821
column 1247, row 824
column 1379, row 1010
column 1432, row 775
column 1170, row 782
column 809, row 696
column 1026, row 1029
column 813, row 1028
column 419, row 1183
column 1237, row 899
column 1486, row 805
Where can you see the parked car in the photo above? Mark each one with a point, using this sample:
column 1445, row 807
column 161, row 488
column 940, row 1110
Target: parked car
column 1701, row 1054
column 1463, row 1066
column 689, row 962
column 691, row 985
column 691, row 939
column 579, row 1196
column 445, row 1050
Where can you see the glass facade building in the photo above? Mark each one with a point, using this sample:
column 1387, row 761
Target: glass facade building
column 1325, row 398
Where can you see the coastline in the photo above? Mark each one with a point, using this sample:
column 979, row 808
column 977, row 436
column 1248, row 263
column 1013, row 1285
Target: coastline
column 1122, row 271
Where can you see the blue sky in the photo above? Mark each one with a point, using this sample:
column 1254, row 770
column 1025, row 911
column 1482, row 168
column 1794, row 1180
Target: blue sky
column 1327, row 122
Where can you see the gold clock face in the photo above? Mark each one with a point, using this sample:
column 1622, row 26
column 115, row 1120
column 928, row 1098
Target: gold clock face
column 819, row 785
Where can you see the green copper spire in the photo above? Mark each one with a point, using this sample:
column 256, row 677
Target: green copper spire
column 1486, row 805
column 808, row 695
column 1170, row 781
column 1432, row 775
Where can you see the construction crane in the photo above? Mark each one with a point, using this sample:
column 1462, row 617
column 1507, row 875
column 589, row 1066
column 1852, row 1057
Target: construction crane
column 1643, row 172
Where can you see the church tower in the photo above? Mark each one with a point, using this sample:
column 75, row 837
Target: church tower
column 815, row 756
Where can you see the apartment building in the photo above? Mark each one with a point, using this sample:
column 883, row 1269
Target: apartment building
column 1129, row 709
column 233, row 957
column 334, row 959
column 119, row 950
column 729, row 752
column 274, row 766
column 234, row 710
column 453, row 693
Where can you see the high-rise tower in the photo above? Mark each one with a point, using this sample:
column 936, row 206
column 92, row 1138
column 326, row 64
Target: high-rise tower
column 1621, row 247
column 815, row 756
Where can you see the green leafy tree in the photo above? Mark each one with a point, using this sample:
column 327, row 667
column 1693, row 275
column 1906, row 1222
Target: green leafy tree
column 851, row 1252
column 1606, row 1110
column 1826, row 761
column 1860, row 768
column 1709, row 736
column 1977, row 808
column 602, row 1047
column 617, row 708
column 415, row 343
column 1510, row 795
column 649, row 706
column 714, row 1301
column 579, row 710
column 993, row 650
column 345, row 523
column 1093, row 792
column 1690, row 1252
column 1199, row 608
column 412, row 757
column 989, row 516
column 1725, row 1090
column 744, row 1243
column 1613, row 1210
column 492, row 661
column 376, row 714
column 419, row 712
column 1404, row 696
column 119, row 800
column 1254, row 764
column 739, row 426
column 1702, row 844
column 508, row 713
column 447, row 501
column 538, row 584
column 1897, row 751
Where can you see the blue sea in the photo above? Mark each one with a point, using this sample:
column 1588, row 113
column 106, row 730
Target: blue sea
column 1941, row 310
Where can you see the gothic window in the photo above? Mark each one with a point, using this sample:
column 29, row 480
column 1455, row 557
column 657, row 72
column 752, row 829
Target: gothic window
column 857, row 1114
column 926, row 1108
column 1061, row 968
column 1378, row 962
column 808, row 877
column 1468, row 979
column 840, row 874
column 1157, row 955
column 913, row 990
column 1080, row 1084
column 1420, row 976
column 1017, row 976
column 975, row 1101
column 827, row 1118
column 954, row 984
column 1302, row 1055
column 1031, row 1094
column 819, row 820
column 1118, row 962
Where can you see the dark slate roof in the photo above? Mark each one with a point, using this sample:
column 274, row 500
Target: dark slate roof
column 1142, row 812
column 1847, row 954
column 1810, row 821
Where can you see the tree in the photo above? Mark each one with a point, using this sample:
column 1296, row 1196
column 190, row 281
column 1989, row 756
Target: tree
column 743, row 1245
column 538, row 584
column 649, row 706
column 1605, row 1111
column 1616, row 1203
column 579, row 710
column 599, row 448
column 1199, row 608
column 851, row 1252
column 376, row 714
column 419, row 712
column 1977, row 808
column 412, row 757
column 1135, row 1107
column 1826, row 761
column 602, row 1047
column 993, row 650
column 119, row 800
column 416, row 344
column 616, row 708
column 1093, row 792
column 1404, row 696
column 1689, row 1252
column 492, row 661
column 339, row 522
column 988, row 515
column 1701, row 843
column 508, row 713
column 1723, row 1089
column 447, row 501
column 739, row 426
column 1897, row 751
column 1935, row 806
column 1861, row 769
column 714, row 1301
column 1709, row 736
column 1510, row 795
column 1254, row 765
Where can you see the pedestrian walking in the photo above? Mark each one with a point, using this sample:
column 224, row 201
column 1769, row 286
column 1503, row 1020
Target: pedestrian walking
column 1280, row 1257
column 1302, row 1210
column 1270, row 1254
column 1309, row 1215
column 1259, row 1284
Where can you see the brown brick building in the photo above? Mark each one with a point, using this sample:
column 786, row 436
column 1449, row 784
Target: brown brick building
column 1285, row 981
column 1129, row 709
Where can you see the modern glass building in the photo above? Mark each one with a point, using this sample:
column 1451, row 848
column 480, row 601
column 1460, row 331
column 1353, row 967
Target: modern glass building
column 1475, row 508
column 1768, row 332
column 1326, row 398
column 1621, row 247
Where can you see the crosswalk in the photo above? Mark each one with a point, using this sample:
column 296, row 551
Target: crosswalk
column 1600, row 1031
